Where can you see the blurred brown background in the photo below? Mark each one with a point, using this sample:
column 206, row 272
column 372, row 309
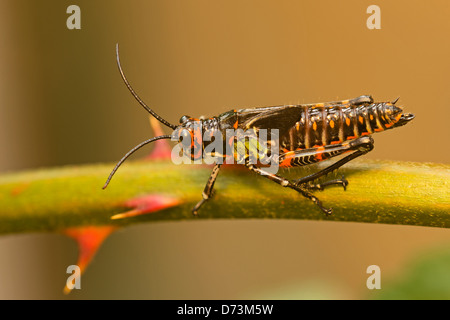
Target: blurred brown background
column 62, row 102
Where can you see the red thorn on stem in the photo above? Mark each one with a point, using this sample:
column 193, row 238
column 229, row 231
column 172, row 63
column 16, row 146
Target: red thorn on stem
column 89, row 239
column 162, row 149
column 147, row 204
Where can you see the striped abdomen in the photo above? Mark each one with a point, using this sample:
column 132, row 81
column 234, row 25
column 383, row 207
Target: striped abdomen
column 321, row 125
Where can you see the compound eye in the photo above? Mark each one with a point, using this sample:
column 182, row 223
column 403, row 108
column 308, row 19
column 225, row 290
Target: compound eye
column 184, row 119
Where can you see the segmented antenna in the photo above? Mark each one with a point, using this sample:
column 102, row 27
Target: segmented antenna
column 142, row 103
column 129, row 153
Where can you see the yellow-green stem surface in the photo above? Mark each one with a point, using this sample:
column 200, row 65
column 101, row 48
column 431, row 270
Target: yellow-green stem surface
column 378, row 192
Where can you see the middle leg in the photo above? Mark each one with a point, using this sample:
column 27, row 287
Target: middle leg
column 286, row 183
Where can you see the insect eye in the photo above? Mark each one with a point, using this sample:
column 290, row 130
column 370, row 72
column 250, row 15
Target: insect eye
column 183, row 119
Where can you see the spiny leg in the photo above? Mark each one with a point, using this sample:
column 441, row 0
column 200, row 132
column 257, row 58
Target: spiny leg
column 286, row 183
column 207, row 192
column 360, row 147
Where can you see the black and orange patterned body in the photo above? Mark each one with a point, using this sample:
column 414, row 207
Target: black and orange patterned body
column 307, row 133
column 316, row 127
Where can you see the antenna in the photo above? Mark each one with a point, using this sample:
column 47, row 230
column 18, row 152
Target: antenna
column 129, row 153
column 142, row 103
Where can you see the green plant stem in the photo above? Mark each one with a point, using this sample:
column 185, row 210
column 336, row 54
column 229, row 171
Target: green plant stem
column 378, row 192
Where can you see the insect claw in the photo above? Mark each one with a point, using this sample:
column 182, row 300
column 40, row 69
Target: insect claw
column 321, row 186
column 327, row 212
column 195, row 210
column 344, row 183
column 319, row 204
column 197, row 206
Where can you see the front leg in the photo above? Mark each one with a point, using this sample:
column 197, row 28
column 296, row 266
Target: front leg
column 207, row 192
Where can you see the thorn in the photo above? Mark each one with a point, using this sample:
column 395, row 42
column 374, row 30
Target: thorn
column 147, row 204
column 89, row 239
column 162, row 149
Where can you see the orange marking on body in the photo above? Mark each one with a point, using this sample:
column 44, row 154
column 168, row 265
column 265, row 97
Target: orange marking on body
column 320, row 153
column 378, row 129
column 192, row 138
column 314, row 126
column 287, row 160
column 331, row 123
column 351, row 137
column 361, row 119
column 235, row 124
column 371, row 117
column 388, row 125
column 365, row 133
column 347, row 121
column 231, row 145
